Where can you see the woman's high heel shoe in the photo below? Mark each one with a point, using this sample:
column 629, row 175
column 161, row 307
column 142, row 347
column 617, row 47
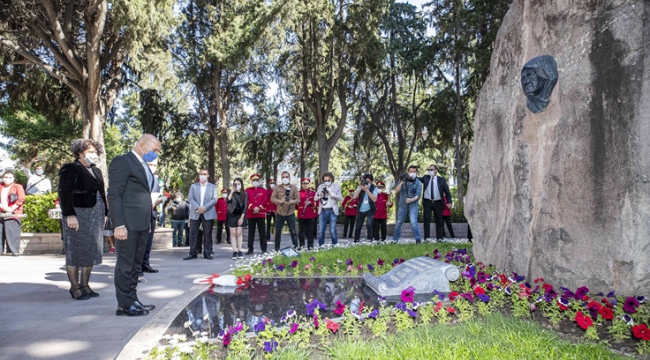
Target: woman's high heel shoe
column 90, row 291
column 80, row 297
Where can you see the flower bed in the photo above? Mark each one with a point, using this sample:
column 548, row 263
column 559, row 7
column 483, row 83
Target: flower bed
column 481, row 291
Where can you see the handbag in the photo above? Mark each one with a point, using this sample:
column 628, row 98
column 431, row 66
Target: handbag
column 446, row 211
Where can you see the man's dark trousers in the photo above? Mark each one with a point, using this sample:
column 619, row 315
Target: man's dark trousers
column 147, row 250
column 259, row 222
column 279, row 224
column 361, row 216
column 349, row 219
column 270, row 218
column 436, row 207
column 128, row 266
column 207, row 235
column 306, row 229
column 220, row 226
column 379, row 225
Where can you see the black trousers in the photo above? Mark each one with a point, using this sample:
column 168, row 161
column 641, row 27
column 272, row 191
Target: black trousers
column 447, row 220
column 147, row 249
column 368, row 217
column 270, row 218
column 436, row 207
column 128, row 266
column 279, row 224
column 10, row 233
column 220, row 226
column 306, row 229
column 207, row 235
column 259, row 222
column 377, row 225
column 187, row 233
column 349, row 219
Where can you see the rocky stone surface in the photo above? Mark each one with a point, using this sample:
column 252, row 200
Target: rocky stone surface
column 565, row 194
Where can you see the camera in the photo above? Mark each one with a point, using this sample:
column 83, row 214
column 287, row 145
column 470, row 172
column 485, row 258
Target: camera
column 326, row 192
column 287, row 192
column 403, row 176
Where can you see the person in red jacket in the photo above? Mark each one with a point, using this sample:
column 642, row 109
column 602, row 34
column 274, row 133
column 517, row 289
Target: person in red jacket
column 307, row 214
column 12, row 197
column 255, row 213
column 350, row 206
column 383, row 204
column 222, row 216
column 270, row 211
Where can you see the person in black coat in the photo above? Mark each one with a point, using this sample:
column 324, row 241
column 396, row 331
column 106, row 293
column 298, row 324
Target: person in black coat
column 83, row 206
column 434, row 189
column 129, row 198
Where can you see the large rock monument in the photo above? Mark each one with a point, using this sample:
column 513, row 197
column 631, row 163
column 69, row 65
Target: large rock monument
column 564, row 194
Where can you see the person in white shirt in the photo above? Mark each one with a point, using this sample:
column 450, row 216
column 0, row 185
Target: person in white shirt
column 435, row 190
column 203, row 196
column 37, row 184
column 328, row 196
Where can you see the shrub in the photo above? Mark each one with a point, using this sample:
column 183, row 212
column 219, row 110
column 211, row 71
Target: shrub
column 36, row 207
column 458, row 213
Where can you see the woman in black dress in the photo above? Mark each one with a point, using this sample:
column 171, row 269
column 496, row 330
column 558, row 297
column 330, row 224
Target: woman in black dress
column 84, row 210
column 237, row 203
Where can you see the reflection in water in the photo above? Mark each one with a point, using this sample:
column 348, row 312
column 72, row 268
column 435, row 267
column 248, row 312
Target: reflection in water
column 268, row 298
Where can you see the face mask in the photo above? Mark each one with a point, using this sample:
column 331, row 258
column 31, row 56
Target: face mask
column 412, row 175
column 256, row 183
column 432, row 173
column 149, row 156
column 272, row 186
column 8, row 180
column 203, row 178
column 379, row 191
column 179, row 199
column 328, row 183
column 238, row 187
column 285, row 181
column 39, row 172
column 91, row 158
column 224, row 195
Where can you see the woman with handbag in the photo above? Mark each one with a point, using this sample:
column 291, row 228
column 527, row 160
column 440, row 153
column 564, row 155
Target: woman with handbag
column 84, row 210
column 12, row 197
column 237, row 203
column 446, row 218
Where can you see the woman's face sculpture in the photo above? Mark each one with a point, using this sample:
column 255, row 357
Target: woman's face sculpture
column 538, row 78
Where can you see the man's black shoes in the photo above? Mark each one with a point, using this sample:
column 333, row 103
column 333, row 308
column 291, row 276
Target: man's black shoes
column 149, row 269
column 139, row 305
column 131, row 311
column 190, row 257
column 209, row 257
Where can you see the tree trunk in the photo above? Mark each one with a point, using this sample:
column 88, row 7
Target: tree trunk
column 459, row 158
column 323, row 154
column 93, row 127
column 211, row 170
column 223, row 147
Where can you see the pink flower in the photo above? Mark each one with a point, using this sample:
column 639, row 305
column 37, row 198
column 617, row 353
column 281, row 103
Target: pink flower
column 360, row 266
column 349, row 268
column 380, row 262
column 293, row 328
column 340, row 308
column 408, row 293
column 307, row 267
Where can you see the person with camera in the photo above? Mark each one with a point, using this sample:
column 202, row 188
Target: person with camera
column 436, row 194
column 37, row 183
column 408, row 202
column 286, row 196
column 307, row 214
column 350, row 206
column 270, row 208
column 255, row 213
column 381, row 215
column 328, row 196
column 237, row 204
column 366, row 193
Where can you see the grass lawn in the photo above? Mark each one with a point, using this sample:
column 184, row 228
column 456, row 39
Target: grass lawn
column 490, row 337
column 366, row 255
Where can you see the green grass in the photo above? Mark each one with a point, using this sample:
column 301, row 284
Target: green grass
column 491, row 337
column 359, row 254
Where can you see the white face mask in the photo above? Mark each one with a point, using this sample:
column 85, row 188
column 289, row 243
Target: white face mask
column 8, row 180
column 224, row 195
column 412, row 175
column 238, row 187
column 379, row 191
column 91, row 158
column 39, row 172
column 203, row 178
column 256, row 183
column 179, row 199
column 328, row 183
column 432, row 173
column 285, row 181
column 272, row 186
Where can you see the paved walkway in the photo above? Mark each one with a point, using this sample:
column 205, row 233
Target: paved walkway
column 39, row 320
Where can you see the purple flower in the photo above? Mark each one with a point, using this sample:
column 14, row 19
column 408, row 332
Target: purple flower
column 373, row 314
column 581, row 292
column 614, row 302
column 630, row 305
column 411, row 312
column 260, row 326
column 472, row 271
column 611, row 294
column 238, row 327
column 313, row 305
column 467, row 296
column 294, row 263
column 293, row 328
column 401, row 306
column 640, row 299
column 441, row 296
column 263, row 262
column 628, row 319
column 380, row 262
column 600, row 294
column 269, row 346
column 481, row 277
column 483, row 297
column 507, row 290
column 280, row 267
column 312, row 259
column 564, row 301
column 349, row 262
column 395, row 261
column 408, row 293
column 568, row 293
column 370, row 267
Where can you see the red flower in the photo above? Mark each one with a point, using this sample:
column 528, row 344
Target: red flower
column 332, row 325
column 606, row 313
column 453, row 295
column 584, row 321
column 438, row 307
column 479, row 290
column 450, row 310
column 641, row 332
column 360, row 306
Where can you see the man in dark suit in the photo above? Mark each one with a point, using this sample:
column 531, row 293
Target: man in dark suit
column 129, row 201
column 434, row 189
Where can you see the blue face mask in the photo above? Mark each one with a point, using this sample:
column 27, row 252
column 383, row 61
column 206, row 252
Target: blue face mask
column 149, row 156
